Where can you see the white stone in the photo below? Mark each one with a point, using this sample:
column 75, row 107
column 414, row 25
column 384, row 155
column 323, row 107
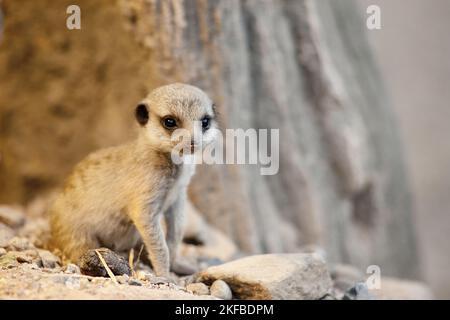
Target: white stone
column 221, row 290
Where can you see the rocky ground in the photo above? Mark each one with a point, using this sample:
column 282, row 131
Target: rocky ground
column 29, row 271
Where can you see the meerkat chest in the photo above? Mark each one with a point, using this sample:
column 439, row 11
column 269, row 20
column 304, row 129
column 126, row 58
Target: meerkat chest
column 177, row 184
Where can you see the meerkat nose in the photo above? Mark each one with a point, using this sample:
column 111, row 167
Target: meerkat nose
column 193, row 145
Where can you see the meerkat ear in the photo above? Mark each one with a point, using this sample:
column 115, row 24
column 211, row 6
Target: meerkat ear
column 141, row 114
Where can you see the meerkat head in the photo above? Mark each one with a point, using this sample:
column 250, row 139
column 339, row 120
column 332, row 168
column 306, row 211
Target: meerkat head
column 177, row 113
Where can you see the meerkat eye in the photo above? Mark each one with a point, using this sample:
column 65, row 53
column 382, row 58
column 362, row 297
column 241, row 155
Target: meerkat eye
column 169, row 122
column 206, row 122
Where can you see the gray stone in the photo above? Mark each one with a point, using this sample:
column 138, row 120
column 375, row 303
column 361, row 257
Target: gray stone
column 198, row 288
column 221, row 290
column 123, row 279
column 49, row 260
column 134, row 282
column 28, row 256
column 72, row 268
column 273, row 276
column 91, row 265
column 12, row 216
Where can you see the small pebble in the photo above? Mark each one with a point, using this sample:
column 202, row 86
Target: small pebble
column 72, row 268
column 134, row 282
column 2, row 251
column 23, row 258
column 91, row 265
column 49, row 260
column 143, row 275
column 123, row 279
column 221, row 290
column 198, row 288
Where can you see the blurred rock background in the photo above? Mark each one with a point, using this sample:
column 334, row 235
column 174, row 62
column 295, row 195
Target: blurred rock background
column 413, row 49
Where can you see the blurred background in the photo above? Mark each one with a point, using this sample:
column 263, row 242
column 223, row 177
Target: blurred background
column 363, row 115
column 413, row 51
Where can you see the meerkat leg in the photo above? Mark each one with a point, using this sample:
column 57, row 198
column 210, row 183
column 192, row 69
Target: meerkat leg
column 174, row 223
column 175, row 217
column 149, row 227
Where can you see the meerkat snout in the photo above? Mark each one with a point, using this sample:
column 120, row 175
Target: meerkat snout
column 117, row 197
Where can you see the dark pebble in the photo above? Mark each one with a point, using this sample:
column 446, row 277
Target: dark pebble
column 91, row 265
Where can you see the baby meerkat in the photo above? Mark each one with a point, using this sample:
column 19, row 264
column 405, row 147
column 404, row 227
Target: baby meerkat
column 116, row 197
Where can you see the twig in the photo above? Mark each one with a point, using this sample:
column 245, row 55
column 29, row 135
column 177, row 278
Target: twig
column 139, row 254
column 108, row 270
column 131, row 261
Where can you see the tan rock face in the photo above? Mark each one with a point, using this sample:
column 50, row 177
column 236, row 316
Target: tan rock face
column 273, row 276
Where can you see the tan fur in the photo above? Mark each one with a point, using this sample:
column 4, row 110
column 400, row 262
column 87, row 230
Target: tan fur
column 116, row 197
